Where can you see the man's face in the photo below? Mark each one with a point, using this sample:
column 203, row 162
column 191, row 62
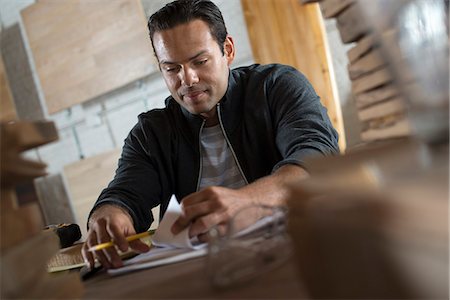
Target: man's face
column 193, row 66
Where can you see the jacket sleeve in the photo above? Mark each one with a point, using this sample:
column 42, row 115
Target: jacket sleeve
column 136, row 185
column 303, row 128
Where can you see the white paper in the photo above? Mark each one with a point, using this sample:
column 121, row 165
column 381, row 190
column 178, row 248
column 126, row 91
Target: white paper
column 164, row 237
column 158, row 257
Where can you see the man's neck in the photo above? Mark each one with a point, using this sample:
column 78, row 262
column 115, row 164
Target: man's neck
column 212, row 121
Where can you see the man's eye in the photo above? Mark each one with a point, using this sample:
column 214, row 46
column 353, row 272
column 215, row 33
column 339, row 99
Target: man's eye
column 171, row 69
column 201, row 62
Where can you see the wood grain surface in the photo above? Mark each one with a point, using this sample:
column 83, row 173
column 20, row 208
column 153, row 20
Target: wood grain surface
column 83, row 49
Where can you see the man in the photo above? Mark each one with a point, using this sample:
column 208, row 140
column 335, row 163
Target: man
column 225, row 140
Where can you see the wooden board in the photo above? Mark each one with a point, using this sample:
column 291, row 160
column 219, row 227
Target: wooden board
column 369, row 62
column 377, row 95
column 332, row 8
column 351, row 24
column 83, row 49
column 363, row 46
column 86, row 179
column 7, row 107
column 399, row 129
column 371, row 81
column 396, row 105
column 294, row 34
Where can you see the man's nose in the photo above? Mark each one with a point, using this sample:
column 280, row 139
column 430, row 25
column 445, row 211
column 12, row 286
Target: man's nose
column 189, row 77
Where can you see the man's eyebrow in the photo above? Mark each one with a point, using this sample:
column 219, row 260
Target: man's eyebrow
column 166, row 62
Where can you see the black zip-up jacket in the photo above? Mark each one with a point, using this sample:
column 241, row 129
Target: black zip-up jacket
column 270, row 116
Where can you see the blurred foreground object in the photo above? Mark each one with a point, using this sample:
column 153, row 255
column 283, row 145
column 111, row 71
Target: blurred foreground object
column 24, row 248
column 374, row 224
column 241, row 255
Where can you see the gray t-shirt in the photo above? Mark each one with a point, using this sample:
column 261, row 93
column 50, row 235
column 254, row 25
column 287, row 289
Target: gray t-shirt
column 218, row 165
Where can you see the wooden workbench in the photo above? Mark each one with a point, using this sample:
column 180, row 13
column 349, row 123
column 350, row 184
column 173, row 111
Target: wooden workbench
column 189, row 279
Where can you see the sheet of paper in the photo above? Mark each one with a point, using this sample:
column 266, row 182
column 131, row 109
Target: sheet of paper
column 163, row 236
column 158, row 257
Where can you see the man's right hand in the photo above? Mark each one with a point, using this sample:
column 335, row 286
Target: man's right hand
column 110, row 222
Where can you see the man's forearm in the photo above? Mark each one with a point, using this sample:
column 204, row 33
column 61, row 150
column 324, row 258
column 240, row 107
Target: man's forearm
column 274, row 189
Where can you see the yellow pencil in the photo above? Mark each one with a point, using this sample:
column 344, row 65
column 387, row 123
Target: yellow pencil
column 128, row 238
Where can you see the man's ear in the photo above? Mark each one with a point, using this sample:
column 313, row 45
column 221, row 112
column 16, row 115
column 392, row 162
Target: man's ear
column 229, row 50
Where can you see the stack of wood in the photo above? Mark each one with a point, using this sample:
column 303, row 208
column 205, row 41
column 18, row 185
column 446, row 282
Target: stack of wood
column 24, row 247
column 380, row 105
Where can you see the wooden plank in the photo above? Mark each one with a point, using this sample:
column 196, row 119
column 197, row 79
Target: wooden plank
column 332, row 8
column 351, row 24
column 371, row 81
column 377, row 95
column 20, row 76
column 87, row 178
column 368, row 63
column 399, row 129
column 83, row 49
column 363, row 46
column 396, row 105
column 7, row 107
column 297, row 37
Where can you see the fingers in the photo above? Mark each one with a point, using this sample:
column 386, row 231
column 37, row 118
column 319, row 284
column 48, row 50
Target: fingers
column 109, row 255
column 119, row 238
column 109, row 224
column 88, row 257
column 205, row 209
column 190, row 213
column 205, row 237
column 204, row 224
column 139, row 246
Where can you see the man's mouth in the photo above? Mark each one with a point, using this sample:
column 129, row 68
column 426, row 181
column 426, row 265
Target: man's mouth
column 193, row 94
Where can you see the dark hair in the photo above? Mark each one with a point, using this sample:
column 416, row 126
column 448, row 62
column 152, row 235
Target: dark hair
column 183, row 11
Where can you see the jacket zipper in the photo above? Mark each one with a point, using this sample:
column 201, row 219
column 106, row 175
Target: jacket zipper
column 229, row 144
column 201, row 159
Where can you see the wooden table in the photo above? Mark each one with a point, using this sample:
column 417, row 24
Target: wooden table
column 189, row 279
